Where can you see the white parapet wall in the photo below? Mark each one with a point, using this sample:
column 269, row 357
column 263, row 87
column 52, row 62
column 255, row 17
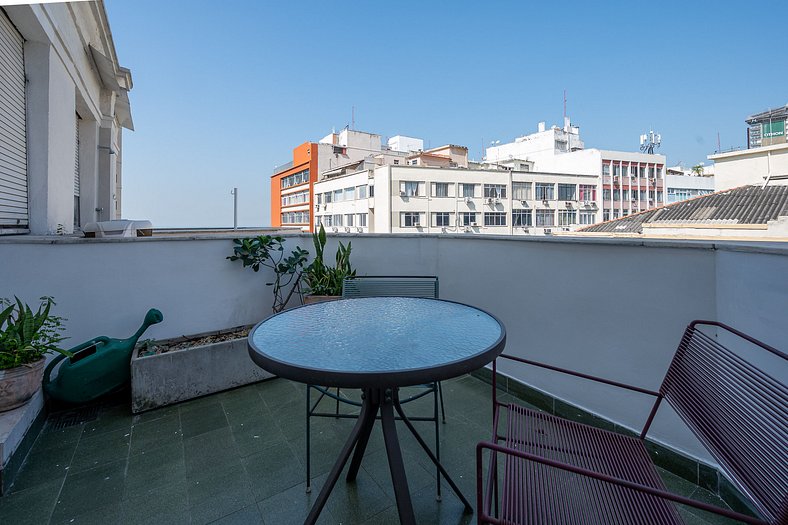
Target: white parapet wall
column 613, row 308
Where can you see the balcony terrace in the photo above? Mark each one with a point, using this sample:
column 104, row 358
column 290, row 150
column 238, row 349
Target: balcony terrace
column 614, row 308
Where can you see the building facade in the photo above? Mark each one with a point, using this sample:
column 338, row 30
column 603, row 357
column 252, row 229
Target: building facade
column 419, row 199
column 767, row 128
column 63, row 105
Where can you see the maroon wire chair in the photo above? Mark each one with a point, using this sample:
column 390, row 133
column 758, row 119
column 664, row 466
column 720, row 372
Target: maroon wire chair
column 556, row 471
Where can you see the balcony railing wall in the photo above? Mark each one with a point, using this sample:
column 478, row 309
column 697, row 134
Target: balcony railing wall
column 613, row 308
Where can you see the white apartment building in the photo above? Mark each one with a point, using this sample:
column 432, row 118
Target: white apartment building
column 410, row 199
column 63, row 103
column 630, row 181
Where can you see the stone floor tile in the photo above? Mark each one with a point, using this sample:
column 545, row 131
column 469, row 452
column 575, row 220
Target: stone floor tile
column 102, row 448
column 90, row 489
column 202, row 419
column 31, row 506
column 249, row 515
column 156, row 433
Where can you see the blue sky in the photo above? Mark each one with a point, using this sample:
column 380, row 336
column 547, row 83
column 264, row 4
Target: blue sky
column 224, row 90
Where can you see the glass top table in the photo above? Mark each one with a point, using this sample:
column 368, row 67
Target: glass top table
column 378, row 345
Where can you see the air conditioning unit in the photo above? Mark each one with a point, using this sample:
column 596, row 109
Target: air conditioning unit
column 335, row 229
column 586, row 203
column 545, row 202
column 651, row 201
column 347, row 229
column 652, row 180
column 467, row 229
column 473, row 223
column 497, row 201
column 490, row 201
column 525, row 230
column 615, row 179
column 565, row 229
column 360, row 229
column 443, row 230
column 548, row 231
column 401, row 193
column 568, row 204
column 524, row 204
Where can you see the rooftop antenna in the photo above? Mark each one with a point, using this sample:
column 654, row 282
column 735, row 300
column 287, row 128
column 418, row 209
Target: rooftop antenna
column 353, row 117
column 650, row 141
column 564, row 103
column 234, row 193
column 719, row 148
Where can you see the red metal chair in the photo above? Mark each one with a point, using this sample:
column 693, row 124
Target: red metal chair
column 558, row 471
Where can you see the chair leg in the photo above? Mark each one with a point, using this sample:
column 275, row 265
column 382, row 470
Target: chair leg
column 308, row 417
column 440, row 394
column 337, row 400
column 437, row 439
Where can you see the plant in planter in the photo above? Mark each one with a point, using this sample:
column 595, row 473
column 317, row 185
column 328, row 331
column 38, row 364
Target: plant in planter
column 25, row 338
column 325, row 282
column 268, row 251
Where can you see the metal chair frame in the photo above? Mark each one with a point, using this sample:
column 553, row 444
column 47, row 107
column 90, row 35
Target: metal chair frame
column 389, row 286
column 729, row 443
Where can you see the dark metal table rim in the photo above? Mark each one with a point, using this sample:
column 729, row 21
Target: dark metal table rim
column 385, row 401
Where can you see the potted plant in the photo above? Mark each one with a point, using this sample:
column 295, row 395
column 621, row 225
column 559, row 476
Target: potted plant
column 324, row 283
column 25, row 338
column 268, row 251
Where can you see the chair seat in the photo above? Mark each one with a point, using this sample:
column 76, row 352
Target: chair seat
column 533, row 493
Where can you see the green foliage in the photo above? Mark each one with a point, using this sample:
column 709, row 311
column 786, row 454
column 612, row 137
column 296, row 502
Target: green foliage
column 26, row 336
column 268, row 251
column 697, row 170
column 326, row 280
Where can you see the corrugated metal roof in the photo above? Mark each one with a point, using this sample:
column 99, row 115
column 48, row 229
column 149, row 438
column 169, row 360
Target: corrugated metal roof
column 744, row 205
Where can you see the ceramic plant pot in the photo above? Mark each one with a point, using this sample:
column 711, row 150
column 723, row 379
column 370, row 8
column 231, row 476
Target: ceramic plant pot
column 17, row 385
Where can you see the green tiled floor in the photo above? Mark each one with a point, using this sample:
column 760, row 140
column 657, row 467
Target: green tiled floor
column 238, row 458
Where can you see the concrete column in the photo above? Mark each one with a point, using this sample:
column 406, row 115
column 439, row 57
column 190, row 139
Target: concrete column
column 88, row 170
column 51, row 113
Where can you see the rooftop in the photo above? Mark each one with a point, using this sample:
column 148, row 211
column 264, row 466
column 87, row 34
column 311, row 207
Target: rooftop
column 238, row 457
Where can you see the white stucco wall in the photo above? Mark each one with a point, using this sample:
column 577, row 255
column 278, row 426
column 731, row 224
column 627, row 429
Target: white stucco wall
column 751, row 166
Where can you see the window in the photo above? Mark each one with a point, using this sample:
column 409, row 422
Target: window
column 642, row 171
column 617, row 195
column 411, row 188
column 295, row 198
column 318, row 220
column 327, row 196
column 295, row 179
column 494, row 191
column 350, row 194
column 587, row 217
column 318, row 198
column 545, row 191
column 616, row 214
column 616, row 170
column 468, row 218
column 587, row 192
column 643, row 194
column 606, row 215
column 371, row 190
column 441, row 219
column 567, row 192
column 545, row 218
column 606, row 169
column 295, row 217
column 396, row 162
column 327, row 221
column 606, row 194
column 361, row 192
column 414, row 162
column 521, row 191
column 495, row 219
column 362, row 220
column 659, row 196
column 625, row 195
column 522, row 218
column 624, row 213
column 468, row 191
column 348, row 219
column 339, row 195
column 651, row 172
column 440, row 189
column 567, row 217
column 625, row 171
column 337, row 220
column 410, row 219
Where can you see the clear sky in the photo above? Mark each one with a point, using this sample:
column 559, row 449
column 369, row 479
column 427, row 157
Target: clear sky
column 223, row 91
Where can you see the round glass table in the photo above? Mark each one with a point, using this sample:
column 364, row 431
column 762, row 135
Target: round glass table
column 378, row 345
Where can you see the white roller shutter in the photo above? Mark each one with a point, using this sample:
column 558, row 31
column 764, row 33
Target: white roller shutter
column 13, row 141
column 77, row 222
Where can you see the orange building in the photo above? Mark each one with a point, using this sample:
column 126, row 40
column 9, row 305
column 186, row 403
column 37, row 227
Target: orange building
column 291, row 188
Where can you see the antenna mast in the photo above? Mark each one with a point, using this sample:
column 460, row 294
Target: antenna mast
column 564, row 103
column 353, row 117
column 650, row 141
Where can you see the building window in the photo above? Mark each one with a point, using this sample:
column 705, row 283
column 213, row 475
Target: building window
column 587, row 217
column 651, row 172
column 348, row 219
column 521, row 191
column 659, row 196
column 625, row 171
column 371, row 190
column 606, row 215
column 350, row 194
column 295, row 179
column 494, row 191
column 318, row 198
column 410, row 219
column 396, row 162
column 327, row 196
column 337, row 220
column 545, row 191
column 468, row 218
column 606, row 194
column 339, row 195
column 643, row 195
column 361, row 192
column 495, row 219
column 327, row 221
column 545, row 218
column 606, row 170
column 617, row 195
column 441, row 219
column 521, row 218
column 616, row 170
column 410, row 188
column 362, row 220
column 468, row 191
column 587, row 192
column 616, row 214
column 625, row 195
column 567, row 217
column 440, row 189
column 567, row 192
column 295, row 198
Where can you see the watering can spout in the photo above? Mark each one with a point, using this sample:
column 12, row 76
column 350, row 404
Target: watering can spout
column 152, row 317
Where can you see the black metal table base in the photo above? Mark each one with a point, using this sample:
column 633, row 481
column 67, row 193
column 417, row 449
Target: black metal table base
column 385, row 401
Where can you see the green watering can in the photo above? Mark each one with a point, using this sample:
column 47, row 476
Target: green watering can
column 97, row 367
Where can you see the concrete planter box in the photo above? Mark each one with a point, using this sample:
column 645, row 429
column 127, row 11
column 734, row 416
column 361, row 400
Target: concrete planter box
column 168, row 378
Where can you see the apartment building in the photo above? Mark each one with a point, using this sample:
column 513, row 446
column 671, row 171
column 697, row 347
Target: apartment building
column 292, row 183
column 630, row 181
column 420, row 199
column 63, row 105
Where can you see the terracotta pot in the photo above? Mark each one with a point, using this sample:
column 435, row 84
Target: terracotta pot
column 312, row 299
column 17, row 385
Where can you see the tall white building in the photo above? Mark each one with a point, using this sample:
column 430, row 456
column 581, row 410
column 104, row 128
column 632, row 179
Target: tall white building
column 418, row 199
column 63, row 104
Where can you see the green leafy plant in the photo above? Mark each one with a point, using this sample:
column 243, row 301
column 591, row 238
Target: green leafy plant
column 268, row 251
column 27, row 336
column 326, row 280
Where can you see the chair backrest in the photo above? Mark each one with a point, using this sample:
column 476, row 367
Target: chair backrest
column 736, row 409
column 391, row 286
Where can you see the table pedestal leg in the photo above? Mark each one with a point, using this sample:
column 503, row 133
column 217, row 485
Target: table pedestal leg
column 369, row 410
column 396, row 466
column 363, row 437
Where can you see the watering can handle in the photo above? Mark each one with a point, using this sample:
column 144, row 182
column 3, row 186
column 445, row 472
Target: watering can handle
column 51, row 366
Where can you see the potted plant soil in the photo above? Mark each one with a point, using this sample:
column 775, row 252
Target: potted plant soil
column 26, row 337
column 324, row 283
